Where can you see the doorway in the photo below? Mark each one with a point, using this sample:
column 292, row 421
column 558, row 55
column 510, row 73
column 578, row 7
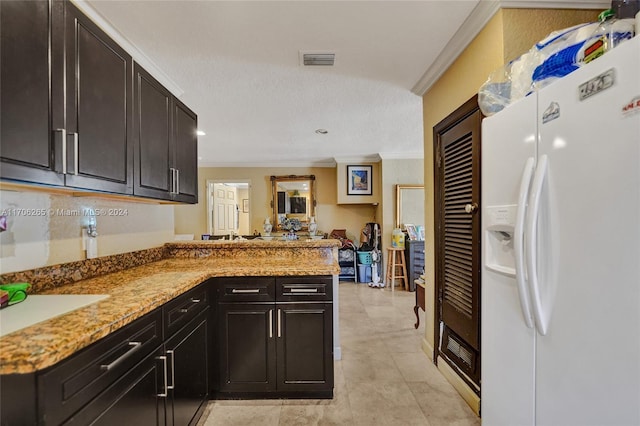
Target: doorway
column 229, row 207
column 457, row 242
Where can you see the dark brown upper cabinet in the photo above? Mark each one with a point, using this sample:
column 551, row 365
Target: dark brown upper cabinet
column 86, row 146
column 67, row 110
column 165, row 142
column 185, row 153
column 99, row 108
column 31, row 99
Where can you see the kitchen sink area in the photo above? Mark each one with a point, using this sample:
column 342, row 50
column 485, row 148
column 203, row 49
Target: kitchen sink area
column 37, row 308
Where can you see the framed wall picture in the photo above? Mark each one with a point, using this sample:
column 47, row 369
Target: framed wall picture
column 245, row 205
column 359, row 180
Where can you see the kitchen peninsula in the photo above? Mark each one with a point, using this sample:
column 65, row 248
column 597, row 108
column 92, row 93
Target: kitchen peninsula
column 200, row 283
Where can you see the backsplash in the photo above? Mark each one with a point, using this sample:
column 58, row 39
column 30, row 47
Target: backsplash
column 56, row 275
column 46, row 229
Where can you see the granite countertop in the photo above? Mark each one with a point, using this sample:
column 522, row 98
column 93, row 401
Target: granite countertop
column 136, row 291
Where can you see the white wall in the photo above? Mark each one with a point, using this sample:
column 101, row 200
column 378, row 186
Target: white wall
column 46, row 229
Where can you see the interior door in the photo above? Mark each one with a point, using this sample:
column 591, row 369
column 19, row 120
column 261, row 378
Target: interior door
column 225, row 205
column 457, row 191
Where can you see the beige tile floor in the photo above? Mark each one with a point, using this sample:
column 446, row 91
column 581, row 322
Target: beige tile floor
column 384, row 377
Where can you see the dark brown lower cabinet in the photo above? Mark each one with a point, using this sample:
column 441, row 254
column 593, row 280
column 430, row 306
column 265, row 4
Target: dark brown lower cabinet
column 281, row 344
column 133, row 399
column 305, row 346
column 187, row 372
column 153, row 371
column 247, row 347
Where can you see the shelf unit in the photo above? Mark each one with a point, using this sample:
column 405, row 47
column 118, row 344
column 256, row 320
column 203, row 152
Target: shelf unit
column 347, row 262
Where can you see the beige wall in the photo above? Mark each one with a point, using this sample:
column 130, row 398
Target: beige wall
column 55, row 236
column 455, row 87
column 394, row 172
column 525, row 27
column 191, row 219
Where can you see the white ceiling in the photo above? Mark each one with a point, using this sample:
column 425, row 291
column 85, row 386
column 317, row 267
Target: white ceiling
column 237, row 64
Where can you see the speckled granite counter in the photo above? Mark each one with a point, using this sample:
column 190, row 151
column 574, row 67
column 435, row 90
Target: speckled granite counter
column 137, row 290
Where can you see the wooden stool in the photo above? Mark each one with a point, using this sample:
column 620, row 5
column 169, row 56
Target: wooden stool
column 395, row 259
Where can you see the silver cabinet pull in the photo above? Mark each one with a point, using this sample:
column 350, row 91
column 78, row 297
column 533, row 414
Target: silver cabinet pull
column 279, row 323
column 194, row 301
column 166, row 386
column 134, row 347
column 76, row 160
column 270, row 323
column 173, row 370
column 177, row 181
column 303, row 290
column 245, row 290
column 64, row 150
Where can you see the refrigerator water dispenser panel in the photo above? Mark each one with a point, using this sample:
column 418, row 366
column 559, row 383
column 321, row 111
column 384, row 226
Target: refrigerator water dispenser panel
column 499, row 231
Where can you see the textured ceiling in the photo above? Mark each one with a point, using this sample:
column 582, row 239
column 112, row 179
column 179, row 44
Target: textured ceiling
column 237, row 63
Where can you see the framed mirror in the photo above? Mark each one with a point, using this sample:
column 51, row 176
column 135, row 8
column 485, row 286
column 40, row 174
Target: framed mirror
column 409, row 205
column 293, row 197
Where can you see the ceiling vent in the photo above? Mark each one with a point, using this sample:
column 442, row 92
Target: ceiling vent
column 317, row 59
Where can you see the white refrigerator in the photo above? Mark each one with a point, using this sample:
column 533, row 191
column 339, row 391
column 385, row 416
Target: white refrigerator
column 560, row 300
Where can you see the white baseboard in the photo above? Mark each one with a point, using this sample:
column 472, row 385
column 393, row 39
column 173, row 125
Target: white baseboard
column 463, row 389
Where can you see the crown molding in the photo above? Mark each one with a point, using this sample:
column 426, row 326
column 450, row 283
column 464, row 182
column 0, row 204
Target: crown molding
column 292, row 164
column 375, row 158
column 128, row 46
column 475, row 22
column 402, row 155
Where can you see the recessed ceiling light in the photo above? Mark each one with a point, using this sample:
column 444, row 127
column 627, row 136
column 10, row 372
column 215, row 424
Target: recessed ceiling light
column 200, row 133
column 322, row 131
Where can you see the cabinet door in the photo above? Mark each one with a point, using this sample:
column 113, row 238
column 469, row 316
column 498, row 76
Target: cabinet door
column 132, row 400
column 186, row 153
column 188, row 358
column 152, row 136
column 305, row 346
column 246, row 341
column 99, row 108
column 26, row 122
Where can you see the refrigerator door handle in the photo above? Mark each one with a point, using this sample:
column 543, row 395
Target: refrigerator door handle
column 518, row 241
column 532, row 243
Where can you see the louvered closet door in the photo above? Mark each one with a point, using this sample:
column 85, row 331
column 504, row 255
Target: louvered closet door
column 459, row 230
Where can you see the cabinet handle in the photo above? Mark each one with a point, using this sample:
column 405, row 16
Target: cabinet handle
column 172, row 180
column 270, row 323
column 177, row 181
column 245, row 290
column 279, row 323
column 76, row 160
column 64, row 149
column 134, row 347
column 194, row 301
column 303, row 290
column 173, row 370
column 166, row 387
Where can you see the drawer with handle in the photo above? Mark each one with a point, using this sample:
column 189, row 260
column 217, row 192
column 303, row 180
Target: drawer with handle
column 71, row 384
column 183, row 308
column 307, row 288
column 245, row 289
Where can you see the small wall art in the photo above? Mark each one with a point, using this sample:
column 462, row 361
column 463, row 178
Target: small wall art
column 359, row 180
